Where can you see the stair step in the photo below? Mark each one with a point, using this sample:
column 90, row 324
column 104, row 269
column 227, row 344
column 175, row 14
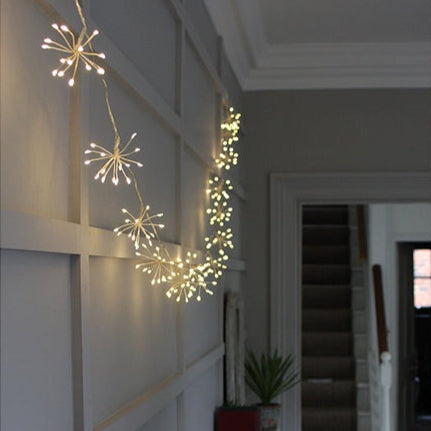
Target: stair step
column 329, row 394
column 327, row 214
column 325, row 235
column 327, row 343
column 338, row 254
column 335, row 367
column 328, row 419
column 326, row 296
column 326, row 274
column 315, row 320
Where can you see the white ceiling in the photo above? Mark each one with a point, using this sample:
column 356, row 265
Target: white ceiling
column 338, row 21
column 287, row 44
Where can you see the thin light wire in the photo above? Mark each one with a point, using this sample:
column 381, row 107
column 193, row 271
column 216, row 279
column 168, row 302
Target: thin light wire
column 81, row 15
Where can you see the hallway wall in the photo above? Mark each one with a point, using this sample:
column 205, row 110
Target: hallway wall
column 86, row 342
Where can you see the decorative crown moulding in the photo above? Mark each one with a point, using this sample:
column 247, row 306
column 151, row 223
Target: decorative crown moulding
column 353, row 65
column 263, row 66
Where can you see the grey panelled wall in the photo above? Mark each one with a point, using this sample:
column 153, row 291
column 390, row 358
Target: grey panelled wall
column 36, row 356
column 86, row 342
column 316, row 132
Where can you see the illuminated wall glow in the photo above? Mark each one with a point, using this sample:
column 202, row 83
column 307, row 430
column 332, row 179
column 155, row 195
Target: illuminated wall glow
column 196, row 273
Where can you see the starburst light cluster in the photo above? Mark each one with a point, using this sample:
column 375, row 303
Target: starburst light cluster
column 141, row 226
column 157, row 264
column 75, row 50
column 191, row 279
column 118, row 161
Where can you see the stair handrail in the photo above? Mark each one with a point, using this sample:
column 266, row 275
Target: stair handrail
column 382, row 338
column 362, row 233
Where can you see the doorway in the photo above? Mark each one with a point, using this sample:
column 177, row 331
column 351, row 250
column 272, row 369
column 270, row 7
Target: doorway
column 415, row 329
column 288, row 193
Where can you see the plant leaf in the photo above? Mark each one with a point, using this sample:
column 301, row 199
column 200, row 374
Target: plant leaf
column 270, row 375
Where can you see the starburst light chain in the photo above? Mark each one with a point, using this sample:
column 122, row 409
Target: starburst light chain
column 80, row 49
column 119, row 162
column 189, row 277
column 186, row 277
column 194, row 278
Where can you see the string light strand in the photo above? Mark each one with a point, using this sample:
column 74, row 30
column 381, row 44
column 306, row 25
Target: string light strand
column 185, row 278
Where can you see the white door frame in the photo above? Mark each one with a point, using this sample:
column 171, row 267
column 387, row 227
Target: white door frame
column 288, row 192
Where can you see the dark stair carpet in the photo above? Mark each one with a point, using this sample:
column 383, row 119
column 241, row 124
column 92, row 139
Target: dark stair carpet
column 324, row 274
column 329, row 296
column 327, row 344
column 320, row 367
column 340, row 393
column 325, row 235
column 328, row 418
column 328, row 364
column 318, row 254
column 327, row 319
column 325, row 215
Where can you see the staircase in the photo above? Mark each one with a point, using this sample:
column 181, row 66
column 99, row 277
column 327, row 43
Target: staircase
column 332, row 352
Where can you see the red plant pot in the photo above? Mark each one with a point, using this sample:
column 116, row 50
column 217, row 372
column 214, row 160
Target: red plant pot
column 237, row 419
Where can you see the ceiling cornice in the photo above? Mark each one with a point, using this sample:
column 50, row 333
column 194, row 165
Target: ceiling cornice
column 351, row 65
column 240, row 25
column 263, row 66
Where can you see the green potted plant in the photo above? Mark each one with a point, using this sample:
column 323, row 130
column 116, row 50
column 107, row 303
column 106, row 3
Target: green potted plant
column 267, row 378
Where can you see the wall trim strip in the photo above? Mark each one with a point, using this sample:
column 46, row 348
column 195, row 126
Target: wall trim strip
column 140, row 410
